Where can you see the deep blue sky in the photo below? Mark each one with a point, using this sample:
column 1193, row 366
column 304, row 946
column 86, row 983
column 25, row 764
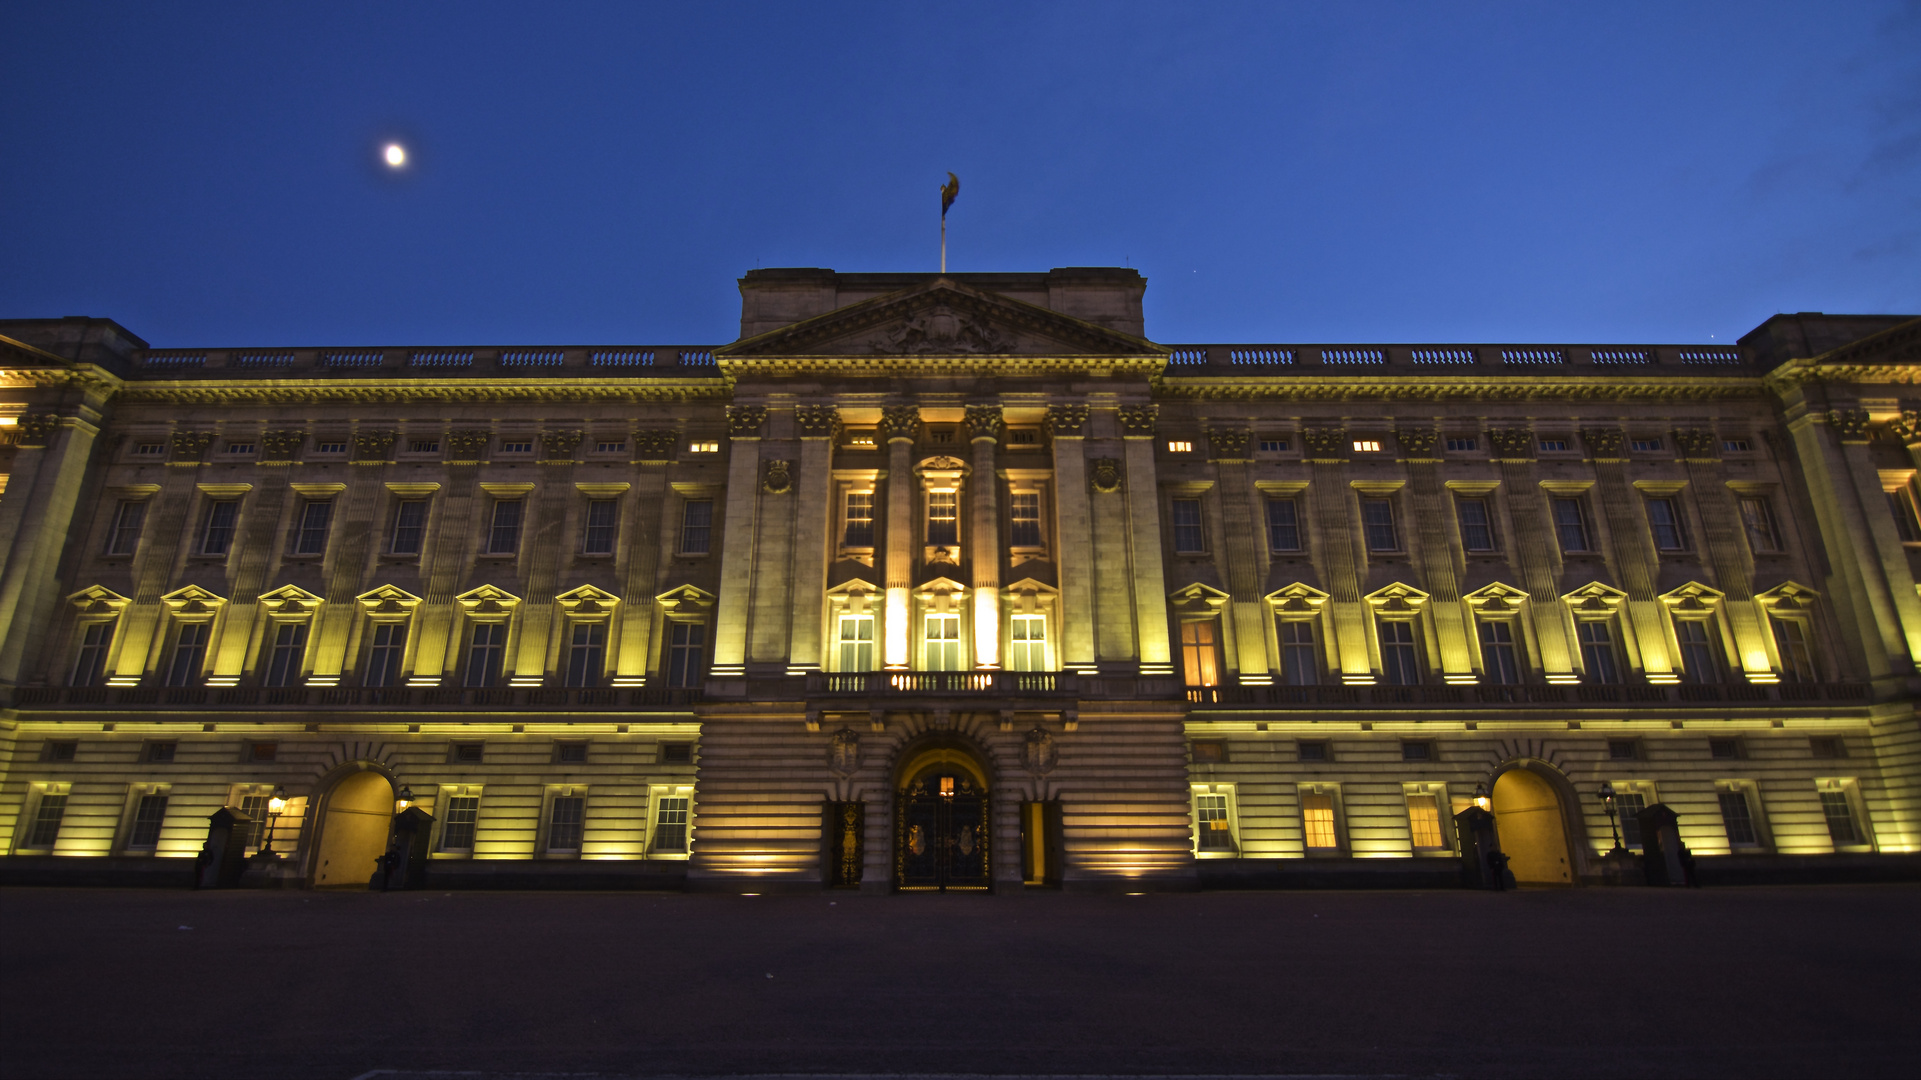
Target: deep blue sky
column 1281, row 173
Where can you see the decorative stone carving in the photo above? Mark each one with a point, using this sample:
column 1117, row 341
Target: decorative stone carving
column 654, row 444
column 1106, row 475
column 1514, row 444
column 1137, row 421
column 817, row 421
column 560, row 445
column 843, row 752
column 1700, row 442
column 1907, row 426
column 1603, row 443
column 1325, row 442
column 191, row 445
column 35, row 429
column 1851, row 425
column 373, row 445
column 743, row 421
column 1417, row 442
column 940, row 329
column 1039, row 755
column 1228, row 444
column 281, row 445
column 468, row 444
column 983, row 422
column 1066, row 420
column 777, row 481
column 900, row 422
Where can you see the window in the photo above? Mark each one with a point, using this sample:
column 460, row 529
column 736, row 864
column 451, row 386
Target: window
column 1311, row 751
column 384, row 654
column 310, row 536
column 189, row 654
column 860, row 520
column 564, row 823
column 941, row 639
column 1208, row 752
column 159, row 753
column 1553, row 445
column 1367, row 446
column 469, row 753
column 1477, row 528
column 696, row 526
column 1597, row 652
column 60, row 750
column 284, row 656
column 1179, row 446
column 1624, row 750
column 1738, row 818
column 1377, row 519
column 1317, row 822
column 410, row 519
column 856, row 643
column 1283, row 525
column 1629, row 804
column 1424, row 821
column 941, row 435
column 486, row 648
column 670, row 824
column 148, row 815
column 943, row 517
column 1664, row 517
column 46, row 820
column 1757, row 520
column 1827, row 747
column 124, row 535
column 610, row 446
column 1273, row 446
column 676, row 753
column 1797, row 660
column 1724, row 749
column 149, row 449
column 1644, row 446
column 1570, row 525
column 1461, row 446
column 1023, row 437
column 92, row 661
column 1197, row 653
column 240, row 448
column 503, row 533
column 1901, row 502
column 1188, row 538
column 1842, row 828
column 1736, row 446
column 1697, row 651
column 861, row 442
column 703, row 448
column 570, row 753
column 586, row 654
column 262, row 751
column 685, row 650
column 1300, row 661
column 217, row 534
column 1216, row 832
column 1029, row 636
column 423, row 446
column 330, row 448
column 1498, row 661
column 516, row 446
column 1399, row 666
column 1417, row 750
column 599, row 538
column 1025, row 519
column 457, row 831
column 255, row 807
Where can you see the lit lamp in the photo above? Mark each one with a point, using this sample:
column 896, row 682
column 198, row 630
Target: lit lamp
column 1480, row 797
column 403, row 800
column 275, row 805
column 1607, row 799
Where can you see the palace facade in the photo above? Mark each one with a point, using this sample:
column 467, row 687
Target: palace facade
column 959, row 582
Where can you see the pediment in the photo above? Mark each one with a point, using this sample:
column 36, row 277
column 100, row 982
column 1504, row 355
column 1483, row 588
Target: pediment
column 1594, row 598
column 1788, row 596
column 1297, row 598
column 487, row 600
column 290, row 600
column 1495, row 597
column 686, row 599
column 1396, row 596
column 587, row 601
column 387, row 600
column 939, row 318
column 98, row 600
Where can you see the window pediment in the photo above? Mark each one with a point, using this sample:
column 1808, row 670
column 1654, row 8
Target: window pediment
column 290, row 601
column 389, row 601
column 1396, row 598
column 1496, row 598
column 685, row 600
column 1595, row 599
column 1788, row 596
column 193, row 602
column 488, row 602
column 1694, row 597
column 98, row 600
column 587, row 602
column 1198, row 598
column 1296, row 599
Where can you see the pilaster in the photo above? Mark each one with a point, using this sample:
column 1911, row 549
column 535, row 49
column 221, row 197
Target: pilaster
column 737, row 539
column 1333, row 519
column 984, row 549
column 1144, row 536
column 817, row 425
column 1066, row 426
column 159, row 556
column 36, row 518
column 640, row 547
column 445, row 564
column 545, row 541
column 1239, row 558
column 1430, row 513
column 1534, row 548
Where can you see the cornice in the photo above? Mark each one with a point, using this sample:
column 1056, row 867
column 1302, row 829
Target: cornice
column 1889, row 358
column 450, row 391
column 947, row 365
column 1435, row 387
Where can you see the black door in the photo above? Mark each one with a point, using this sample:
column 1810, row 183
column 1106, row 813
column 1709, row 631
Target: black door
column 941, row 840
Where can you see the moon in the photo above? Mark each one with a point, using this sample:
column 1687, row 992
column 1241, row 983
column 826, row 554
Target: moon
column 396, row 155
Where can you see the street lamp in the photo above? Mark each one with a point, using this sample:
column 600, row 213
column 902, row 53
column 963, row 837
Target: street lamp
column 274, row 807
column 404, row 799
column 1480, row 797
column 1607, row 798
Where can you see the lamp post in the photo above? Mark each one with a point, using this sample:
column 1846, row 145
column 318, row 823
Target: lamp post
column 1480, row 797
column 1607, row 799
column 274, row 807
column 403, row 799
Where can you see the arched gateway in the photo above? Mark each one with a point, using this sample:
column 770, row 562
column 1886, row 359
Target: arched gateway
column 355, row 822
column 1531, row 822
column 942, row 822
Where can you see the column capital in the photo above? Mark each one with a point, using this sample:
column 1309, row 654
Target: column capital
column 817, row 421
column 1066, row 421
column 743, row 421
column 900, row 423
column 984, row 422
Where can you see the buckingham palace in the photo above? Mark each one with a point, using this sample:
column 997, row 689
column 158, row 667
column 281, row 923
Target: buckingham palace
column 957, row 582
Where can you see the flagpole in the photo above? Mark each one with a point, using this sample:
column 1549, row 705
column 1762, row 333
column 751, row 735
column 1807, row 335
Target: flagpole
column 943, row 242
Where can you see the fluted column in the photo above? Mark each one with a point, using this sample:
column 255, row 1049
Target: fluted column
column 1535, row 547
column 983, row 546
column 1239, row 561
column 547, row 536
column 1327, row 450
column 1429, row 502
column 899, row 425
column 1155, row 655
column 1066, row 425
column 653, row 452
column 817, row 425
column 737, row 540
column 171, row 506
column 256, row 555
column 1634, row 556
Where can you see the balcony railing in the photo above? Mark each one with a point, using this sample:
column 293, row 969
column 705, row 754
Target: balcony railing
column 872, row 683
column 416, row 362
column 310, row 697
column 1527, row 361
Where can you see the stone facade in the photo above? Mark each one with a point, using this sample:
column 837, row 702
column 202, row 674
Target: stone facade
column 959, row 582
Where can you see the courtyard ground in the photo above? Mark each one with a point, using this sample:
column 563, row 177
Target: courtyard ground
column 1788, row 981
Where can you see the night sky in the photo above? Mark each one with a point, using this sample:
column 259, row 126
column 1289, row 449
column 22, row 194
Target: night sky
column 584, row 174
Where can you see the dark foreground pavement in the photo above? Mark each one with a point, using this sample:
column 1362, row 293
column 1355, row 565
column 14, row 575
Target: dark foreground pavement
column 1810, row 981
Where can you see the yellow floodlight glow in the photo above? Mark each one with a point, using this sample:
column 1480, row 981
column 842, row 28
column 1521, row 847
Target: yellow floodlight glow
column 896, row 652
column 987, row 629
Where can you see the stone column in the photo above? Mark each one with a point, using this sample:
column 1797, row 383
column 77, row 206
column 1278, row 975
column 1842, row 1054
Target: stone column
column 169, row 531
column 256, row 555
column 640, row 546
column 546, row 535
column 1634, row 554
column 1428, row 502
column 1327, row 450
column 1534, row 546
column 345, row 566
column 817, row 426
column 1701, row 456
column 1880, row 543
column 899, row 425
column 1144, row 534
column 445, row 557
column 1238, row 558
column 1066, row 427
column 983, row 544
column 36, row 520
column 738, row 537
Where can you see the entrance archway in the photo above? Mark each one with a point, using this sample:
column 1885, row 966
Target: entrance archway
column 353, row 831
column 942, row 823
column 1532, row 828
